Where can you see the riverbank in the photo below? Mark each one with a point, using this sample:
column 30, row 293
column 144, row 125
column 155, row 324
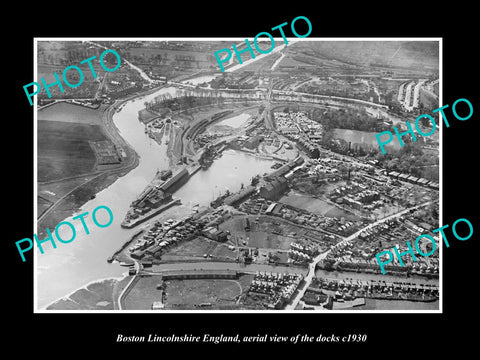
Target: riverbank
column 150, row 214
column 117, row 255
column 96, row 295
column 93, row 183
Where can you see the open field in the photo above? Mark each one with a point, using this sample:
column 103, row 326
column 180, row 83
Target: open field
column 196, row 248
column 95, row 296
column 194, row 292
column 66, row 158
column 186, row 294
column 402, row 54
column 316, row 206
column 143, row 293
column 64, row 149
column 74, row 200
column 364, row 138
column 43, row 204
column 50, row 193
column 64, row 132
column 72, row 113
column 266, row 233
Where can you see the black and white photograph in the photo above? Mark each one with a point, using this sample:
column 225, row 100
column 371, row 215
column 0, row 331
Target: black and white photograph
column 258, row 186
column 286, row 178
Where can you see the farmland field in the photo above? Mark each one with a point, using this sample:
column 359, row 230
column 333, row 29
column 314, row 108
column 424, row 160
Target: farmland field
column 63, row 149
column 66, row 112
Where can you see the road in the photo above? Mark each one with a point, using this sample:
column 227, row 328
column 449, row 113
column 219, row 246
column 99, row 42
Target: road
column 127, row 288
column 253, row 268
column 311, row 269
column 140, row 71
column 258, row 57
column 100, row 86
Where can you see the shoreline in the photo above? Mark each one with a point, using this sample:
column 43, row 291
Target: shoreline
column 107, row 118
column 132, row 159
column 117, row 280
column 108, row 177
column 114, row 256
column 83, row 287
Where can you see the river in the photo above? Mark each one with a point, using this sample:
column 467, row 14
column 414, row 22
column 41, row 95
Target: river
column 70, row 266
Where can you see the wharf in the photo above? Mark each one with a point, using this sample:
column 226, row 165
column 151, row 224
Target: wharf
column 112, row 257
column 194, row 169
column 150, row 214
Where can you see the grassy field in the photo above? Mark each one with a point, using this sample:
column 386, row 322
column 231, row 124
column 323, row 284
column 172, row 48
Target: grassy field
column 52, row 192
column 363, row 138
column 95, row 296
column 63, row 134
column 73, row 201
column 72, row 113
column 265, row 234
column 43, row 204
column 186, row 294
column 406, row 54
column 316, row 206
column 63, row 149
column 196, row 248
column 143, row 294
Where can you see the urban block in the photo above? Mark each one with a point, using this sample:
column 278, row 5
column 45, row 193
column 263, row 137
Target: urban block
column 419, row 131
column 410, row 251
column 71, row 68
column 50, row 238
column 255, row 42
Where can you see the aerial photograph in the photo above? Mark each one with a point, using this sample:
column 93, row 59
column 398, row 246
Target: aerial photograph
column 236, row 186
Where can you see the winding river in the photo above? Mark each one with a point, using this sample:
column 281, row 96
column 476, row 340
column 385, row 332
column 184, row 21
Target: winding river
column 70, row 266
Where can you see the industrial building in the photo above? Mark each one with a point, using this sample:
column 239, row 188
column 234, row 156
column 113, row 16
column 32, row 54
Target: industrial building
column 175, row 181
column 214, row 234
column 274, row 189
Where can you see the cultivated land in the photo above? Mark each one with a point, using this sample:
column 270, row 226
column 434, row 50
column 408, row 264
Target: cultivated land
column 331, row 200
column 65, row 150
column 68, row 190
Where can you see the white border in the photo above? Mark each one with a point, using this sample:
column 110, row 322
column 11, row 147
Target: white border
column 440, row 73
